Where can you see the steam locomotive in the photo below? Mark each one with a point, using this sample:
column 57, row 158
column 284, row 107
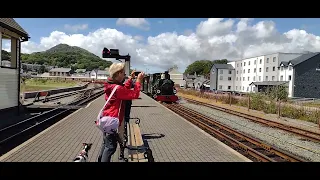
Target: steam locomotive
column 160, row 87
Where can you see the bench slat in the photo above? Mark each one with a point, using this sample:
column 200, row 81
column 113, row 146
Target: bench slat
column 135, row 141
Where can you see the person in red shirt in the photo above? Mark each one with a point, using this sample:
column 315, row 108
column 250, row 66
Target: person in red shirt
column 116, row 105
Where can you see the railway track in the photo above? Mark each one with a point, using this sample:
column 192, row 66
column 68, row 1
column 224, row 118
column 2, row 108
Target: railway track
column 252, row 148
column 60, row 96
column 310, row 135
column 16, row 134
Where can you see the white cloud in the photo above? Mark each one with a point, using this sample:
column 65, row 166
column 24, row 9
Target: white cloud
column 139, row 38
column 76, row 27
column 140, row 23
column 212, row 39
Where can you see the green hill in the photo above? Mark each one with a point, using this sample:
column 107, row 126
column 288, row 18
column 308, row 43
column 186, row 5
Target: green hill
column 63, row 55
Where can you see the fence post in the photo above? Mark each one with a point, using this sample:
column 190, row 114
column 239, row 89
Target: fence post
column 279, row 108
column 216, row 97
column 248, row 103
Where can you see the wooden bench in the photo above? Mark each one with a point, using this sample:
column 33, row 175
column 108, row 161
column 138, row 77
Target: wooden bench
column 137, row 152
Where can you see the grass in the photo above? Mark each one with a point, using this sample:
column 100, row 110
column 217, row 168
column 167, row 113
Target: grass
column 45, row 84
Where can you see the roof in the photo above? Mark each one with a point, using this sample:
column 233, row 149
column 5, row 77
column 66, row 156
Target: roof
column 303, row 58
column 103, row 72
column 269, row 83
column 12, row 25
column 80, row 70
column 285, row 63
column 60, row 70
column 223, row 66
column 174, row 71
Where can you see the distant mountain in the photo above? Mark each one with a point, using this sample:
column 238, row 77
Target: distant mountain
column 63, row 55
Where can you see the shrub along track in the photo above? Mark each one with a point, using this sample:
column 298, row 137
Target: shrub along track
column 313, row 136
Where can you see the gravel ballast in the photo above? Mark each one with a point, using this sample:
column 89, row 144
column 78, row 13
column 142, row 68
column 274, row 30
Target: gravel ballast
column 283, row 140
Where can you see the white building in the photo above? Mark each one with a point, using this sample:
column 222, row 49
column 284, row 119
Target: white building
column 222, row 77
column 99, row 74
column 176, row 76
column 247, row 74
column 259, row 69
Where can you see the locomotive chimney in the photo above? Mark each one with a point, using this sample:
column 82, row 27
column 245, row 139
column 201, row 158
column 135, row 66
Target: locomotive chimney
column 167, row 75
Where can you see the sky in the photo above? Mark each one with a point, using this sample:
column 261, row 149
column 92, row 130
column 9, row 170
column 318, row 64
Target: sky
column 157, row 44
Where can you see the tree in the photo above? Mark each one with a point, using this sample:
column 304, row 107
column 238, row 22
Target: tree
column 203, row 67
column 42, row 69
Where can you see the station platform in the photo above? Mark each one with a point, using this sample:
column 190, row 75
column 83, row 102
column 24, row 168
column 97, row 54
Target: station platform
column 170, row 137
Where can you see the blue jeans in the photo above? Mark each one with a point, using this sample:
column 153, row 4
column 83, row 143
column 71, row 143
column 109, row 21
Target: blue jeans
column 108, row 147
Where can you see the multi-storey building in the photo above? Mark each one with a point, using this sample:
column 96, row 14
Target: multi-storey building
column 247, row 74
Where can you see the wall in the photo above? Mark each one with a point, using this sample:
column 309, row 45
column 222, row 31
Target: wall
column 224, row 73
column 242, row 73
column 8, row 88
column 213, row 78
column 307, row 79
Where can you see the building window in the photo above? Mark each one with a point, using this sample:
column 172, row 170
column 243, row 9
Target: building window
column 281, row 68
column 255, row 61
column 249, row 63
column 260, row 61
column 244, row 64
column 267, row 69
column 237, row 71
column 241, row 64
column 267, row 60
column 259, row 78
column 221, row 71
column 242, row 87
column 290, row 68
column 274, row 59
column 248, row 70
column 259, row 69
column 221, row 77
column 273, row 68
column 266, row 78
column 243, row 79
column 273, row 78
column 289, row 77
column 248, row 78
column 237, row 79
column 238, row 65
column 229, row 87
column 220, row 87
column 253, row 88
column 229, row 78
column 281, row 78
column 247, row 88
column 254, row 70
column 244, row 71
column 230, row 72
column 254, row 78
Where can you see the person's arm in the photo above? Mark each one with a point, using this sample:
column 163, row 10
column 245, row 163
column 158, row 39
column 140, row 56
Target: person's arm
column 128, row 83
column 124, row 93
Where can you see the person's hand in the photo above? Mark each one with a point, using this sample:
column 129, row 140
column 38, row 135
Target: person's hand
column 140, row 77
column 132, row 76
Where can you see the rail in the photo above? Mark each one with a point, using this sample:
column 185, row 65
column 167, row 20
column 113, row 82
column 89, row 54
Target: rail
column 311, row 135
column 248, row 146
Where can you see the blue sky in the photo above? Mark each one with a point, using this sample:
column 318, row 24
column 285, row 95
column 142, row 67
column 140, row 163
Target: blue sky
column 42, row 27
column 213, row 41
